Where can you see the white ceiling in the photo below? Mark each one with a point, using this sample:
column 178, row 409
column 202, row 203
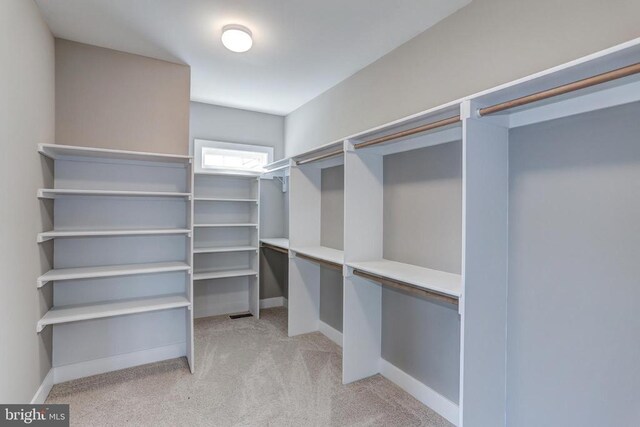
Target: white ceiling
column 301, row 47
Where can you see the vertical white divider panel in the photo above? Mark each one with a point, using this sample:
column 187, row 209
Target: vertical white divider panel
column 304, row 230
column 189, row 312
column 484, row 270
column 254, row 281
column 363, row 221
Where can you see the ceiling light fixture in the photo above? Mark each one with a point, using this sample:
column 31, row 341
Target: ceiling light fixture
column 236, row 38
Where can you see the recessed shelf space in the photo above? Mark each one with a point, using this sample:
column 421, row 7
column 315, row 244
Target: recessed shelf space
column 48, row 235
column 110, row 271
column 76, row 313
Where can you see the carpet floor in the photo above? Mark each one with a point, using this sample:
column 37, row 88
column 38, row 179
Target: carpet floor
column 248, row 373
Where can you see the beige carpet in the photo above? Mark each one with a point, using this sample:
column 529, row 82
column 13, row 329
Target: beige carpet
column 248, row 373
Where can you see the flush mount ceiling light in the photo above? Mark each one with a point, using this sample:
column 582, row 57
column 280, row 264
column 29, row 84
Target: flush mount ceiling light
column 236, row 38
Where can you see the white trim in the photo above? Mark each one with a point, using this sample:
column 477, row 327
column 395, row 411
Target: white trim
column 114, row 363
column 423, row 393
column 221, row 308
column 44, row 389
column 285, row 302
column 271, row 302
column 330, row 332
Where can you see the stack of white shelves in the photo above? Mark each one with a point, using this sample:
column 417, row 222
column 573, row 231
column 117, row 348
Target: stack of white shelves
column 121, row 244
column 226, row 242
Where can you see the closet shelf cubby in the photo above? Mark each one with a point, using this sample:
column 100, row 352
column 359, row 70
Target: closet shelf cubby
column 433, row 280
column 67, row 152
column 75, row 313
column 323, row 253
column 223, row 199
column 225, row 225
column 110, row 271
column 53, row 234
column 278, row 242
column 52, row 193
column 222, row 274
column 221, row 249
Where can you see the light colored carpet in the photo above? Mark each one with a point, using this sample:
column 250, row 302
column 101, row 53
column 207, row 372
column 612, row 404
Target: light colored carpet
column 248, row 373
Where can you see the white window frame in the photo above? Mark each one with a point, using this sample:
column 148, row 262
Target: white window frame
column 199, row 144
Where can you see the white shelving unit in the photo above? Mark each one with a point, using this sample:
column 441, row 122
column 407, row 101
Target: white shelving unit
column 307, row 254
column 226, row 243
column 403, row 208
column 121, row 244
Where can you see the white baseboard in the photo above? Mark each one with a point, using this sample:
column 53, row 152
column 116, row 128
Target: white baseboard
column 44, row 389
column 330, row 332
column 423, row 393
column 272, row 302
column 285, row 302
column 114, row 363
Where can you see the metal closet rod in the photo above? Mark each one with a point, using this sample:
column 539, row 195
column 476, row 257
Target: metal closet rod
column 396, row 284
column 320, row 261
column 561, row 90
column 320, row 157
column 275, row 248
column 409, row 132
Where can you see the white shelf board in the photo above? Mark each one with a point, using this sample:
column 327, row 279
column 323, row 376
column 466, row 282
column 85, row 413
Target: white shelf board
column 279, row 242
column 52, row 193
column 420, row 277
column 63, row 152
column 213, row 250
column 48, row 235
column 75, row 313
column 277, row 165
column 225, row 225
column 110, row 271
column 221, row 274
column 219, row 199
column 231, row 174
column 335, row 256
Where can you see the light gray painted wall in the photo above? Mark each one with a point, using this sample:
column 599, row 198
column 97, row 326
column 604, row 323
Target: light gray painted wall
column 423, row 226
column 488, row 42
column 332, row 236
column 218, row 123
column 573, row 324
column 26, row 118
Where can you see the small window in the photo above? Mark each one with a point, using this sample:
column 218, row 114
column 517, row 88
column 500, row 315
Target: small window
column 215, row 155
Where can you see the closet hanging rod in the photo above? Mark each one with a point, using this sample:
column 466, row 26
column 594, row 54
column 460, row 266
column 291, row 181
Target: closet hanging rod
column 320, row 261
column 275, row 248
column 409, row 132
column 320, row 157
column 561, row 90
column 395, row 284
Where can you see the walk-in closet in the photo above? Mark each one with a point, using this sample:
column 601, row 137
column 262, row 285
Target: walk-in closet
column 362, row 213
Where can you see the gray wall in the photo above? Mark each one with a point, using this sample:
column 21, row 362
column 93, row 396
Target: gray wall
column 423, row 226
column 111, row 99
column 332, row 236
column 233, row 125
column 26, row 118
column 218, row 123
column 486, row 43
column 573, row 327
